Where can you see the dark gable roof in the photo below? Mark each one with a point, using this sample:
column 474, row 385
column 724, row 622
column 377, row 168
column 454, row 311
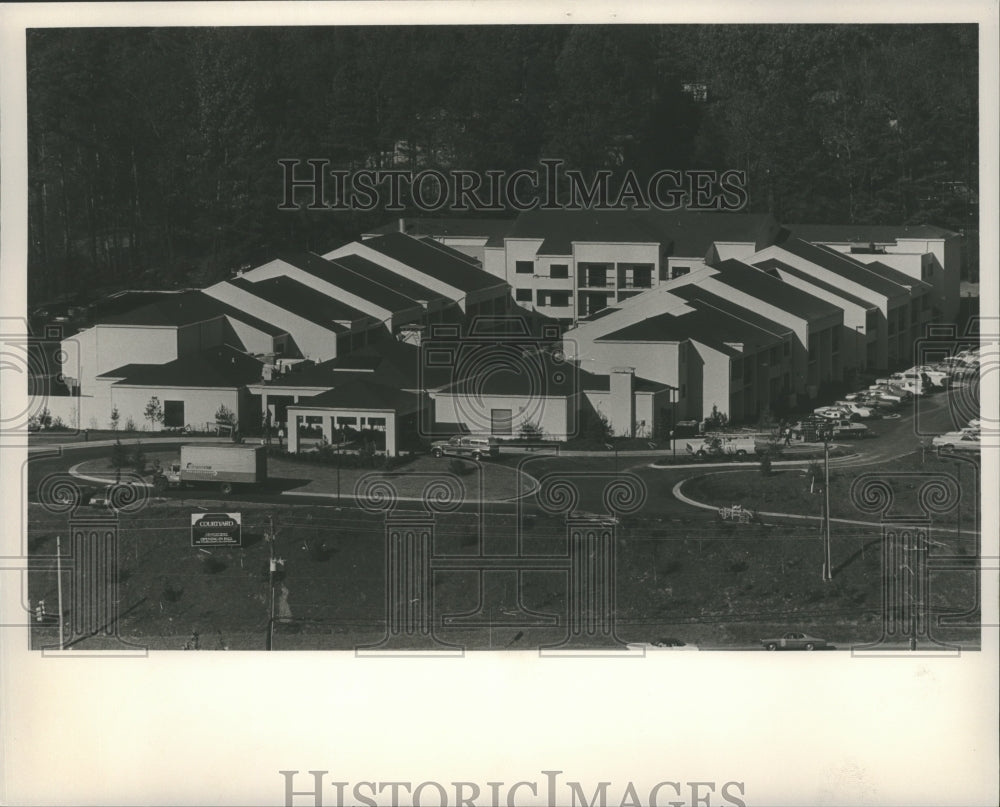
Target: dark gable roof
column 558, row 229
column 682, row 233
column 773, row 265
column 215, row 367
column 351, row 282
column 709, row 301
column 866, row 233
column 301, row 300
column 706, row 325
column 494, row 230
column 358, row 392
column 901, row 278
column 377, row 273
column 770, row 289
column 842, row 265
column 510, row 370
column 433, row 262
column 455, row 253
column 186, row 308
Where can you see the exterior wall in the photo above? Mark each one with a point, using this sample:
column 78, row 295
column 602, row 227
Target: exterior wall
column 314, row 341
column 555, row 416
column 105, row 347
column 495, row 261
column 521, row 249
column 657, row 361
column 201, row 335
column 473, row 246
column 250, row 339
column 200, row 404
column 709, row 372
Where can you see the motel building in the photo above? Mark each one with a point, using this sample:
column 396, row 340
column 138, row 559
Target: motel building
column 658, row 317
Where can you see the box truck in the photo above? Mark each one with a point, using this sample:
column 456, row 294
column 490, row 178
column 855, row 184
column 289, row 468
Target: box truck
column 221, row 464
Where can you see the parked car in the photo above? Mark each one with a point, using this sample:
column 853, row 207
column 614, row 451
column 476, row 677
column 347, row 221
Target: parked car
column 856, row 409
column 962, row 440
column 794, row 641
column 463, row 445
column 662, row 644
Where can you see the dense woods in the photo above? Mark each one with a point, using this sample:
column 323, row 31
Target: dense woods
column 153, row 152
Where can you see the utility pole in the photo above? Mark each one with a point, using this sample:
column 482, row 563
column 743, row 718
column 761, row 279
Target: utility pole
column 270, row 578
column 59, row 588
column 827, row 564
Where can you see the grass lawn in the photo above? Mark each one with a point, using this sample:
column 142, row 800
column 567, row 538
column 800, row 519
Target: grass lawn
column 491, row 480
column 788, row 490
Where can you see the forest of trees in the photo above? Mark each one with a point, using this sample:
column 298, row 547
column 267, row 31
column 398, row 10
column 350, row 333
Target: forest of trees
column 153, row 153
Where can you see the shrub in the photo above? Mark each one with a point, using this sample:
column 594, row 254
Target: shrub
column 530, row 431
column 130, row 424
column 115, row 417
column 153, row 412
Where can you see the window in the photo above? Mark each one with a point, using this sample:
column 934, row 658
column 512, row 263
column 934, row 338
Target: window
column 557, row 299
column 502, row 421
column 635, row 275
column 524, row 267
column 523, row 295
column 595, row 274
column 678, row 271
column 559, row 270
column 173, row 414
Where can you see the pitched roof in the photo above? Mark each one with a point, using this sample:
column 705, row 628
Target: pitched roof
column 767, row 288
column 433, row 262
column 901, row 278
column 389, row 279
column 363, row 393
column 691, row 233
column 215, row 367
column 510, row 370
column 842, row 266
column 185, row 309
column 598, row 382
column 773, row 265
column 455, row 253
column 867, row 233
column 709, row 301
column 560, row 228
column 712, row 327
column 493, row 230
column 351, row 282
column 301, row 300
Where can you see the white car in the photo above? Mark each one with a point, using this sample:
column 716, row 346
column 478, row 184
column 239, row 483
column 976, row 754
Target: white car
column 855, row 408
column 963, row 440
column 938, row 378
column 660, row 644
column 831, row 412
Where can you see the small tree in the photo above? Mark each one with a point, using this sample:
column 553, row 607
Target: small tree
column 153, row 412
column 716, row 420
column 530, row 431
column 44, row 418
column 225, row 419
column 130, row 424
column 119, row 455
column 139, row 459
column 115, row 417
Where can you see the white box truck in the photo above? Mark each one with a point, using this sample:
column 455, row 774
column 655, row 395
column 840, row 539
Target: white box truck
column 221, row 464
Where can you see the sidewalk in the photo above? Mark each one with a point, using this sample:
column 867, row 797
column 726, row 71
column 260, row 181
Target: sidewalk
column 128, row 441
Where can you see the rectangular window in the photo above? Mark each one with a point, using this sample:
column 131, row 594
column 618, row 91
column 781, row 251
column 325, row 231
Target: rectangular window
column 173, row 414
column 635, row 275
column 501, row 421
column 595, row 275
column 524, row 267
column 678, row 271
column 559, row 270
column 522, row 295
column 556, row 299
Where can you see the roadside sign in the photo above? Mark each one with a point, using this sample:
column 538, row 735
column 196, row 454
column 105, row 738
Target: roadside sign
column 216, row 529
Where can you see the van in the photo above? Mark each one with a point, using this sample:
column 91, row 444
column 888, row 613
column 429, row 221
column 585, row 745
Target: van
column 463, row 445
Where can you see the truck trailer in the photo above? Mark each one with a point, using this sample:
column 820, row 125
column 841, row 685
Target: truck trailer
column 221, row 464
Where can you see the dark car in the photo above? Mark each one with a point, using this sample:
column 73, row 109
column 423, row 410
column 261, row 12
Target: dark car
column 794, row 641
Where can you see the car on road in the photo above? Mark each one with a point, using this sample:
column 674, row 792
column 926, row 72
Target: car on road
column 463, row 445
column 794, row 641
column 662, row 644
column 962, row 440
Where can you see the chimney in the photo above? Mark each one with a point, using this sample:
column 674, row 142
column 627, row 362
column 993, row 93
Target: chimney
column 622, row 403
